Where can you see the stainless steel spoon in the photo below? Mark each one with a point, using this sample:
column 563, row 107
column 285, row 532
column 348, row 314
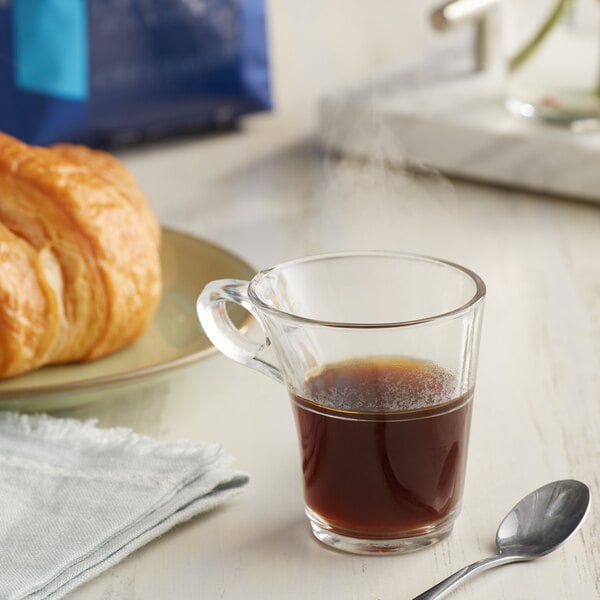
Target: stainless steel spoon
column 536, row 526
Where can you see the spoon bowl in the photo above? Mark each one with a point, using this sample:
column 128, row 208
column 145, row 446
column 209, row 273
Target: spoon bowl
column 544, row 519
column 537, row 525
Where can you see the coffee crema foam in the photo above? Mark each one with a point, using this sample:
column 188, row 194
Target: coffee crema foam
column 381, row 385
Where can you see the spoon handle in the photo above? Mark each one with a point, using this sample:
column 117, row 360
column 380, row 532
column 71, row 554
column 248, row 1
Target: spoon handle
column 447, row 585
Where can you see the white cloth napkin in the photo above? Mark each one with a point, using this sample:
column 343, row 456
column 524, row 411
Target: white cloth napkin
column 75, row 499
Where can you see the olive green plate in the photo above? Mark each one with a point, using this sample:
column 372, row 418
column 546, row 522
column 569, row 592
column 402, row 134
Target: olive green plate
column 173, row 340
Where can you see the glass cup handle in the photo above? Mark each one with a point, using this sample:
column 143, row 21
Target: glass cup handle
column 217, row 325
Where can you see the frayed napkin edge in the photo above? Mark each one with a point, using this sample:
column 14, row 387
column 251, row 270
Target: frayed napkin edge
column 84, row 434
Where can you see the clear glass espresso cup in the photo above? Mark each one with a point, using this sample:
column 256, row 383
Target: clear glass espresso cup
column 378, row 351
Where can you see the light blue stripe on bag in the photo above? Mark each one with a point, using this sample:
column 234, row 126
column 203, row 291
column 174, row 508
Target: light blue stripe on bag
column 51, row 47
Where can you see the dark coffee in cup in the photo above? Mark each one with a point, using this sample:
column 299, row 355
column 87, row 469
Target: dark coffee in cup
column 383, row 445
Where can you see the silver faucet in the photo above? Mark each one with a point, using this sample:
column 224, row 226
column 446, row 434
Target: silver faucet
column 477, row 12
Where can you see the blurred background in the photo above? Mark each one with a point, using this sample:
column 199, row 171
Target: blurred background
column 120, row 73
column 107, row 71
column 311, row 55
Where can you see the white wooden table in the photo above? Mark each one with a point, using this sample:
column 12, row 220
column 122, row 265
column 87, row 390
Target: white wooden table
column 269, row 194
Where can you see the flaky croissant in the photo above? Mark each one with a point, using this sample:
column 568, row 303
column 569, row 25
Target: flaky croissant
column 79, row 256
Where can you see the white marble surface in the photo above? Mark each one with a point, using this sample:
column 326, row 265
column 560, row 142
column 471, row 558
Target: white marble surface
column 269, row 193
column 440, row 113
